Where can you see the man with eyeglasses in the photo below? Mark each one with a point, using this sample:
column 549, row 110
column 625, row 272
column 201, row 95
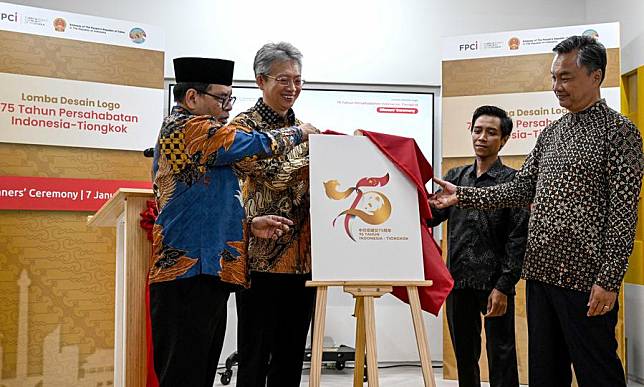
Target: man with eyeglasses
column 274, row 313
column 227, row 101
column 199, row 249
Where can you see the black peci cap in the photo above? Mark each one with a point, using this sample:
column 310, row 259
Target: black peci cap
column 204, row 70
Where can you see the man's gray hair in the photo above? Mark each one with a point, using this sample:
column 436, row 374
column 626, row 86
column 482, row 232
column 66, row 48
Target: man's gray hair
column 590, row 52
column 275, row 52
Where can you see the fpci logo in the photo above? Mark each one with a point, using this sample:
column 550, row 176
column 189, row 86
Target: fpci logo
column 469, row 46
column 10, row 17
column 375, row 207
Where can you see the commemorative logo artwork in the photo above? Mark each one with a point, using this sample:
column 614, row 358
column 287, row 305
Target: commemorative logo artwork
column 372, row 207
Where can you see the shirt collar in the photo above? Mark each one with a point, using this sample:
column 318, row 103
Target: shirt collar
column 178, row 109
column 269, row 115
column 596, row 107
column 493, row 172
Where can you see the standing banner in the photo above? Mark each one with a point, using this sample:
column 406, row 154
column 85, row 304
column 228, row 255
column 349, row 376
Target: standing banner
column 80, row 97
column 512, row 70
column 77, row 81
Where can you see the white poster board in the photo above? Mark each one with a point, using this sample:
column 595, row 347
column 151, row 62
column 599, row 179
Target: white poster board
column 364, row 216
column 67, row 112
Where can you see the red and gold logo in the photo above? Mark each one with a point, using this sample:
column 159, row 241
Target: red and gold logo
column 60, row 24
column 514, row 43
column 372, row 207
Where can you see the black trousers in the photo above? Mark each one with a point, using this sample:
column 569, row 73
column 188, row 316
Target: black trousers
column 464, row 308
column 560, row 333
column 188, row 326
column 274, row 316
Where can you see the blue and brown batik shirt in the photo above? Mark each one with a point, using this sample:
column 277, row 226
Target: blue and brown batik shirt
column 200, row 228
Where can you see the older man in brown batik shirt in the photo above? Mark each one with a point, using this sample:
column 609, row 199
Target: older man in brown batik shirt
column 274, row 314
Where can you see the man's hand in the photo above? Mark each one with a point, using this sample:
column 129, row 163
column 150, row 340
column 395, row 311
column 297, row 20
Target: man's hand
column 445, row 198
column 308, row 129
column 497, row 304
column 269, row 226
column 601, row 301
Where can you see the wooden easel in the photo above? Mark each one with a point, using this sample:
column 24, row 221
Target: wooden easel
column 364, row 292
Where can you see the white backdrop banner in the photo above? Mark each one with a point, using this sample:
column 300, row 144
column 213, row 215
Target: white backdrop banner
column 401, row 114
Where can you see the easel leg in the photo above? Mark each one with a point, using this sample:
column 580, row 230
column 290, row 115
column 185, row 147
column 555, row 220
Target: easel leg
column 358, row 372
column 421, row 337
column 370, row 330
column 318, row 337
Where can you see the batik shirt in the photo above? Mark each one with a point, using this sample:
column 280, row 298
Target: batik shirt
column 583, row 177
column 201, row 224
column 484, row 248
column 278, row 186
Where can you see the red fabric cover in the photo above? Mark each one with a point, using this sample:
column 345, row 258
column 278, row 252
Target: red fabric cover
column 148, row 216
column 404, row 152
column 406, row 155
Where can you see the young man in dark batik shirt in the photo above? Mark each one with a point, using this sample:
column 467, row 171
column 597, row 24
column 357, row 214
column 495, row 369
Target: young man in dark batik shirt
column 485, row 254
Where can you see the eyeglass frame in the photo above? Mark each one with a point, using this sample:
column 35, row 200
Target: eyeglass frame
column 223, row 100
column 287, row 80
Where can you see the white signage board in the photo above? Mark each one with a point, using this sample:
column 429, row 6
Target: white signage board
column 86, row 28
column 364, row 214
column 65, row 112
column 523, row 42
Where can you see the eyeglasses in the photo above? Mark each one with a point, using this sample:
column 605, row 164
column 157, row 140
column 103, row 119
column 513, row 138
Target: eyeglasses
column 224, row 100
column 286, row 81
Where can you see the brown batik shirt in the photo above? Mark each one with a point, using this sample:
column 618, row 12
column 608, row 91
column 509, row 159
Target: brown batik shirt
column 277, row 186
column 583, row 178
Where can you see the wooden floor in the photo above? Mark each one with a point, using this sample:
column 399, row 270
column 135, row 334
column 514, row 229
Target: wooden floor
column 406, row 376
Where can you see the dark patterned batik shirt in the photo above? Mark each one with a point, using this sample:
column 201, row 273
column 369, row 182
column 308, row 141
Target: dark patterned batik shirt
column 485, row 249
column 200, row 228
column 583, row 178
column 277, row 186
